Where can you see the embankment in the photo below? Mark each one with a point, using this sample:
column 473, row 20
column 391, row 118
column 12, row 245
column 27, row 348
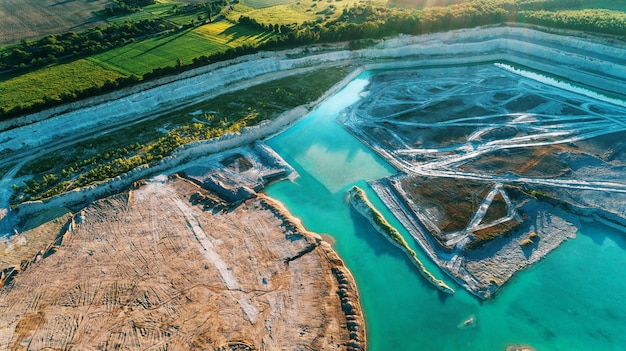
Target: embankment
column 359, row 201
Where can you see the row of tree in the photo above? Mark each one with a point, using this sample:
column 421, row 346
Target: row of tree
column 253, row 23
column 54, row 47
column 121, row 7
column 591, row 20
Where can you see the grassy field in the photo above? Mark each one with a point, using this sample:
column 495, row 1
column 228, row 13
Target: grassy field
column 51, row 82
column 141, row 57
column 299, row 11
column 32, row 19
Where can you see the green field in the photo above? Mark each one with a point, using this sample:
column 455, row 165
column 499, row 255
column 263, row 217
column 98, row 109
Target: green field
column 51, row 82
column 135, row 58
column 142, row 57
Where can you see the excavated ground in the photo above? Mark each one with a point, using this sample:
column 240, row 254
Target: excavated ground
column 156, row 268
column 493, row 162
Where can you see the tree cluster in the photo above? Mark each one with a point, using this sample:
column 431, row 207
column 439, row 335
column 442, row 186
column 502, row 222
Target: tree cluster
column 253, row 23
column 210, row 7
column 591, row 20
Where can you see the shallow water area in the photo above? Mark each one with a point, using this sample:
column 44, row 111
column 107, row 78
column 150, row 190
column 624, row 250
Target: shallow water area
column 571, row 300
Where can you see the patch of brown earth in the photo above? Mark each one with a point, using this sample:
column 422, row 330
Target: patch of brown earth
column 449, row 202
column 487, row 234
column 153, row 269
column 541, row 161
column 40, row 233
column 497, row 209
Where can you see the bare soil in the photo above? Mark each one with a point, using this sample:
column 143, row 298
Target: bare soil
column 451, row 202
column 151, row 268
column 31, row 19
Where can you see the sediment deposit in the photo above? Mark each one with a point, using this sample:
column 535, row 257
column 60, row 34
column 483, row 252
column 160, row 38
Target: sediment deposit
column 361, row 204
column 496, row 165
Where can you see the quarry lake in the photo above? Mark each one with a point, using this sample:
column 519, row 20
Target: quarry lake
column 571, row 300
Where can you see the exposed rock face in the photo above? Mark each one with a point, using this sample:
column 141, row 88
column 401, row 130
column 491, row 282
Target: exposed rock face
column 154, row 268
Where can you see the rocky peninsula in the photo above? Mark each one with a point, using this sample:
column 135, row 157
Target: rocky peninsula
column 359, row 202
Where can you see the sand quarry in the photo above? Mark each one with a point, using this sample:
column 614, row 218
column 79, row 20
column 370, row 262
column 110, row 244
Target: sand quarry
column 165, row 267
column 172, row 265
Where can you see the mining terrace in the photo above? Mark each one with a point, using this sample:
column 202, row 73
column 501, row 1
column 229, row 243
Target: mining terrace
column 170, row 264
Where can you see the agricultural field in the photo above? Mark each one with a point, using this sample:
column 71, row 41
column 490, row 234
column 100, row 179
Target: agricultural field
column 142, row 57
column 260, row 4
column 162, row 9
column 51, row 82
column 136, row 58
column 31, row 19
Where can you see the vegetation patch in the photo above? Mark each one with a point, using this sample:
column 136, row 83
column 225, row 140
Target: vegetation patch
column 52, row 83
column 166, row 50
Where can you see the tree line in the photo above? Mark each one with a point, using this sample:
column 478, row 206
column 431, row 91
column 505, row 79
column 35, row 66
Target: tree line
column 121, row 7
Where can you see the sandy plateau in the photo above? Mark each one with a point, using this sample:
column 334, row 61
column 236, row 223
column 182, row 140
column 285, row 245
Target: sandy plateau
column 172, row 266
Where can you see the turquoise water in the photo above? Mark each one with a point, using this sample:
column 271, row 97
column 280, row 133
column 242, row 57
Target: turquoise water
column 572, row 300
